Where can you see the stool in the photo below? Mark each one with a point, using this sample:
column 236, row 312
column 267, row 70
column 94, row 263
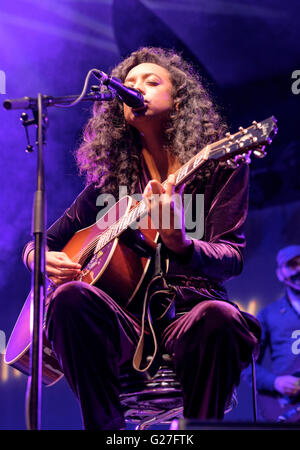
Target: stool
column 154, row 400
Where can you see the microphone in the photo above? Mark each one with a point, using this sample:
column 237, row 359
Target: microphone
column 132, row 97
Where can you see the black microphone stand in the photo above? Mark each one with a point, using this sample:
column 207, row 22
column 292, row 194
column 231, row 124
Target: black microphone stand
column 33, row 395
column 39, row 109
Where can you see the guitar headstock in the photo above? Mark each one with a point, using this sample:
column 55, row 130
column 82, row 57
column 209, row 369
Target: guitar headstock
column 237, row 148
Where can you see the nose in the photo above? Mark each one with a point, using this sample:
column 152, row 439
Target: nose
column 139, row 87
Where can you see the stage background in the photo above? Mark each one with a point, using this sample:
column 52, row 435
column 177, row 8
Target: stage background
column 245, row 51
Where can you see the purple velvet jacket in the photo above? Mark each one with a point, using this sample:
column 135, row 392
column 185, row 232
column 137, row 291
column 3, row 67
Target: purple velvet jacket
column 214, row 258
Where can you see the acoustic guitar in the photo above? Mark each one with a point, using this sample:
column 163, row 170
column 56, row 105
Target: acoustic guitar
column 116, row 256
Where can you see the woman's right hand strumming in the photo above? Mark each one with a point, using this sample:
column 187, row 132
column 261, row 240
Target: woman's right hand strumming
column 59, row 267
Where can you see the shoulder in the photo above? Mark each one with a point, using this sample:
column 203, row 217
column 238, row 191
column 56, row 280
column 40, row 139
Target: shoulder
column 84, row 208
column 88, row 195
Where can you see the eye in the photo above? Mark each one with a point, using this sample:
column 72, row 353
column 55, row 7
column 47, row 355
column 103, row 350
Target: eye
column 153, row 82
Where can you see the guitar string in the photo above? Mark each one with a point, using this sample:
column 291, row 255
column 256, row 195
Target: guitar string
column 83, row 253
column 214, row 149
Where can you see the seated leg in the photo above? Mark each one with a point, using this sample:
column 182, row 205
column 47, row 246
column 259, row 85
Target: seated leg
column 91, row 335
column 211, row 345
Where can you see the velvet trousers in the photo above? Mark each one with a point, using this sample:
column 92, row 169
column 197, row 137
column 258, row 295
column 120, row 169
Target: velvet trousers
column 92, row 337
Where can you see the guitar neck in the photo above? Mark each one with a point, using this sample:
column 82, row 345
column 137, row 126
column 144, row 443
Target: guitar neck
column 232, row 148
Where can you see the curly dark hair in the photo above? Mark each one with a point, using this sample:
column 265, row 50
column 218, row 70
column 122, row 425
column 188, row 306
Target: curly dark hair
column 109, row 154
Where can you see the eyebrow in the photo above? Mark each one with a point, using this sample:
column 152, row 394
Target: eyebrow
column 145, row 75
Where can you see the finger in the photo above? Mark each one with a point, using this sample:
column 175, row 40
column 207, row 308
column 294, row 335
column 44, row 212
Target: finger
column 290, row 384
column 295, row 388
column 64, row 278
column 61, row 272
column 57, row 281
column 52, row 271
column 69, row 272
column 149, row 199
column 65, row 264
column 69, row 262
column 290, row 393
column 54, row 280
column 148, row 190
column 152, row 194
column 61, row 257
column 180, row 192
column 156, row 187
column 170, row 188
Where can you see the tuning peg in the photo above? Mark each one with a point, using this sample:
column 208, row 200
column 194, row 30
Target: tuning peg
column 229, row 136
column 243, row 158
column 243, row 130
column 259, row 152
column 247, row 158
column 257, row 124
column 239, row 159
column 230, row 163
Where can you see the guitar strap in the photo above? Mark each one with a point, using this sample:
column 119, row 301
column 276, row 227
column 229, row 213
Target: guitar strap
column 158, row 304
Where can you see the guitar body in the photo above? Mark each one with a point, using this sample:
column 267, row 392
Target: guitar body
column 116, row 251
column 118, row 268
column 275, row 407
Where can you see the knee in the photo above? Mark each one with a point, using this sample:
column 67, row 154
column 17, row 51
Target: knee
column 216, row 316
column 208, row 323
column 75, row 298
column 68, row 289
column 68, row 299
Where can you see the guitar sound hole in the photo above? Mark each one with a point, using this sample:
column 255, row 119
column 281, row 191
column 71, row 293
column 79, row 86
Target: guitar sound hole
column 90, row 259
column 87, row 260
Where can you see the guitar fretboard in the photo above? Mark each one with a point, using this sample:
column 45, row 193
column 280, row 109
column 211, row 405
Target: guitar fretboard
column 236, row 145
